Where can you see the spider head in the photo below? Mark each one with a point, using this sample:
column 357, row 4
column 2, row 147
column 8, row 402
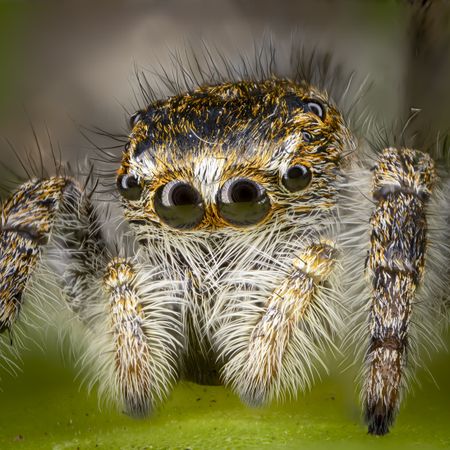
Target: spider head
column 232, row 156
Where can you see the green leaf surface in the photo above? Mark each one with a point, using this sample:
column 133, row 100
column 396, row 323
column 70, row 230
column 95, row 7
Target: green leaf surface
column 44, row 408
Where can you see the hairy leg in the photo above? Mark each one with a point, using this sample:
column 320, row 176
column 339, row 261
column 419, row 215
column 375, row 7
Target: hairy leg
column 127, row 314
column 403, row 181
column 141, row 336
column 53, row 211
column 276, row 352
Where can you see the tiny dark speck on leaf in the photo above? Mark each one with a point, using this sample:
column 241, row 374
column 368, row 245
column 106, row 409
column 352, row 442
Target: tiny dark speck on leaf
column 198, row 399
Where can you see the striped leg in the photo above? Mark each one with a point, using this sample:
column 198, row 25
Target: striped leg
column 129, row 313
column 276, row 352
column 402, row 184
column 142, row 337
column 54, row 210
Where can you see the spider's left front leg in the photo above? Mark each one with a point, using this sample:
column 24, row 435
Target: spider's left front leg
column 272, row 352
column 404, row 181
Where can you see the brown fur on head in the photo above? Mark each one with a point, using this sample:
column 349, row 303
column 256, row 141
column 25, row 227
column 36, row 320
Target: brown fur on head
column 255, row 130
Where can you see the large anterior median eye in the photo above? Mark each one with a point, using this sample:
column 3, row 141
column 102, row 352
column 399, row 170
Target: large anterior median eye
column 243, row 202
column 179, row 205
column 129, row 187
column 297, row 178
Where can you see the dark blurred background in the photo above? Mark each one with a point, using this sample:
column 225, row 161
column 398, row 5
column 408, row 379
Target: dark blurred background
column 67, row 62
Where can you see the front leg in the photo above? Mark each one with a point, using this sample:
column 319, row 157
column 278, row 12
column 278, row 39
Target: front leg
column 138, row 336
column 128, row 315
column 276, row 352
column 51, row 214
column 396, row 265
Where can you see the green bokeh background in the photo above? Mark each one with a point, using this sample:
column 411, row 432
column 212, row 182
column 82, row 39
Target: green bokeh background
column 43, row 407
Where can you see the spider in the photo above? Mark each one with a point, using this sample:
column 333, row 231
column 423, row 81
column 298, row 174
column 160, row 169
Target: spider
column 265, row 231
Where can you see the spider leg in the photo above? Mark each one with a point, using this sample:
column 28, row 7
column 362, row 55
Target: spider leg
column 274, row 352
column 52, row 211
column 141, row 336
column 128, row 313
column 402, row 185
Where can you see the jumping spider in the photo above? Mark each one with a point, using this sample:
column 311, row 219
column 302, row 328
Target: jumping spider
column 265, row 230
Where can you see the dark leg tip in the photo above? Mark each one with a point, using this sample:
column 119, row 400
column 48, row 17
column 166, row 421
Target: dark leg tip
column 378, row 426
column 255, row 398
column 379, row 420
column 138, row 408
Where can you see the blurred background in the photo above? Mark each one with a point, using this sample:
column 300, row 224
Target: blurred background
column 64, row 63
column 74, row 61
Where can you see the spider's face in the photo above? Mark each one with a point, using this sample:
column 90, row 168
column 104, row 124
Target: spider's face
column 233, row 156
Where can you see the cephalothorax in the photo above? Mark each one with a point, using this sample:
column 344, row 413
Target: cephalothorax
column 264, row 234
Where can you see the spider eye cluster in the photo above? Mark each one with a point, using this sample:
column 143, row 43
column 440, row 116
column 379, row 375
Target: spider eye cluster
column 240, row 201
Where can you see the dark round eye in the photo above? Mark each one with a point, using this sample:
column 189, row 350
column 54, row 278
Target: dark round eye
column 297, row 178
column 307, row 137
column 243, row 202
column 316, row 108
column 135, row 118
column 129, row 187
column 179, row 205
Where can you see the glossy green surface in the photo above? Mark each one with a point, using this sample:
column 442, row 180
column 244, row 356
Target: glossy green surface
column 44, row 408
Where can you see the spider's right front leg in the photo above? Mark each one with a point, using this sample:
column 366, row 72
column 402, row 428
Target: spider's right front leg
column 128, row 312
column 141, row 328
column 27, row 225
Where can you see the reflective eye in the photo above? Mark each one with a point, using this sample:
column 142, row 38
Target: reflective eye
column 241, row 190
column 179, row 205
column 243, row 202
column 297, row 178
column 129, row 187
column 316, row 108
column 135, row 118
column 307, row 137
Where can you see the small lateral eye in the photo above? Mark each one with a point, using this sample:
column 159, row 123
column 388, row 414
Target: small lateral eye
column 316, row 108
column 135, row 118
column 297, row 178
column 307, row 137
column 129, row 187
